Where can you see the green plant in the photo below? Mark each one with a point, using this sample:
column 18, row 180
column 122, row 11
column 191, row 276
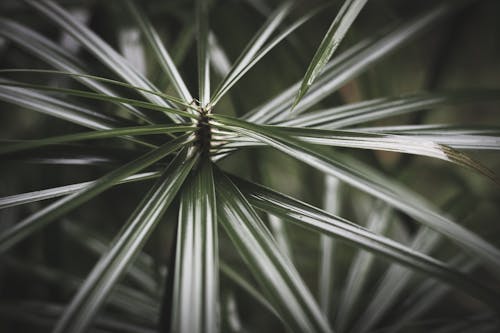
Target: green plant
column 208, row 157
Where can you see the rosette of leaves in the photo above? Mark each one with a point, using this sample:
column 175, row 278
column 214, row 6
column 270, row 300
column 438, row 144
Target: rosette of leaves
column 204, row 240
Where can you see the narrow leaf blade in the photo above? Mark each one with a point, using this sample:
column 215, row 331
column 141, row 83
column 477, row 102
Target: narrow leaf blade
column 338, row 29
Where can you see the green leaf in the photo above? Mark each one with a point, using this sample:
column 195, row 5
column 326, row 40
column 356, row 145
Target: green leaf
column 40, row 314
column 326, row 276
column 338, row 29
column 358, row 272
column 95, row 135
column 310, row 217
column 105, row 53
column 261, row 53
column 141, row 271
column 54, row 107
column 277, row 276
column 196, row 282
column 202, row 30
column 381, row 108
column 100, row 79
column 251, row 49
column 346, row 66
column 57, row 57
column 78, row 315
column 389, row 142
column 133, row 302
column 386, row 190
column 160, row 52
column 426, row 295
column 242, row 282
column 487, row 138
column 43, row 217
column 100, row 97
column 35, row 196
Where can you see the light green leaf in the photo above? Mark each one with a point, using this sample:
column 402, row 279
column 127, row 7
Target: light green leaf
column 78, row 315
column 338, row 29
column 277, row 276
column 196, row 281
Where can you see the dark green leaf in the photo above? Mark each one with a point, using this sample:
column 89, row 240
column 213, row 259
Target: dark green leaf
column 43, row 217
column 277, row 276
column 338, row 29
column 78, row 315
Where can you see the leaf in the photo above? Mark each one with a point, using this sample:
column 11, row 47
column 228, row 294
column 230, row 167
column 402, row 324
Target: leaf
column 310, row 217
column 102, row 134
column 141, row 271
column 196, row 281
column 381, row 108
column 41, row 313
column 338, row 29
column 388, row 142
column 487, row 138
column 426, row 295
column 26, row 227
column 326, row 276
column 53, row 107
column 251, row 49
column 28, row 197
column 242, row 282
column 261, row 53
column 134, row 303
column 105, row 53
column 359, row 269
column 100, row 97
column 202, row 30
column 346, row 66
column 79, row 313
column 279, row 279
column 160, row 52
column 57, row 57
column 379, row 186
column 100, row 79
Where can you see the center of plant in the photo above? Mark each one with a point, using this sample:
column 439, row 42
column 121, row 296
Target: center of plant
column 203, row 132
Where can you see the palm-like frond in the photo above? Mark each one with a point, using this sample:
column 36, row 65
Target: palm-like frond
column 218, row 222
